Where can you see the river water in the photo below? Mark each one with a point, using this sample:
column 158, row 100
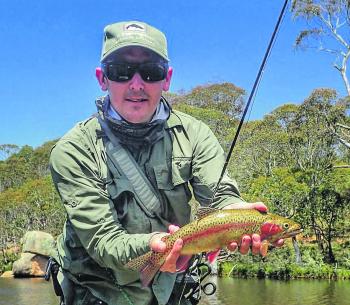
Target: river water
column 229, row 292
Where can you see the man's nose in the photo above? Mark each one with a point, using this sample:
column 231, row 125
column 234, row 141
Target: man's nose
column 136, row 83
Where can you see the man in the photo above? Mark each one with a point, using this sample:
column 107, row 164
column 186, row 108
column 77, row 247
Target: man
column 136, row 141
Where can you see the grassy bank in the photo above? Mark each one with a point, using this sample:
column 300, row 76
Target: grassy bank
column 282, row 271
column 281, row 264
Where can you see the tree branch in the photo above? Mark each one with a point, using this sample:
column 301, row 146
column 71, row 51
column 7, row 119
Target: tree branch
column 342, row 126
column 341, row 166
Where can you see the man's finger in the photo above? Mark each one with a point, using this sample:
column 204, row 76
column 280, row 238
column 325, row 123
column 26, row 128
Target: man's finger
column 256, row 244
column 172, row 229
column 170, row 261
column 232, row 246
column 259, row 206
column 243, row 206
column 156, row 242
column 245, row 244
column 263, row 248
column 279, row 243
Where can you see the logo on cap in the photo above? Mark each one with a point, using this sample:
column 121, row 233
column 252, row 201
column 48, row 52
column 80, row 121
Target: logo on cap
column 134, row 27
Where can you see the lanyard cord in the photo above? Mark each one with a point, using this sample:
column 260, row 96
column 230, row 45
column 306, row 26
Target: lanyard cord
column 251, row 96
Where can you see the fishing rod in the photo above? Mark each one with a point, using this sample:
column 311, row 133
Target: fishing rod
column 251, row 95
column 195, row 294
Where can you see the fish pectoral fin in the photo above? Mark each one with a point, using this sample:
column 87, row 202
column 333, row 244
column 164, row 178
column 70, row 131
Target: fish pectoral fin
column 212, row 256
column 146, row 265
column 182, row 262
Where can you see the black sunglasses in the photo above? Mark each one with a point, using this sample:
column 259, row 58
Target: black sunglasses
column 123, row 72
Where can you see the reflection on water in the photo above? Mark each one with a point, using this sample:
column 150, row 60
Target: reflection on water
column 230, row 292
column 269, row 292
column 34, row 291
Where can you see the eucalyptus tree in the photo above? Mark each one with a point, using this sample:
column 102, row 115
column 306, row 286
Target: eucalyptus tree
column 224, row 97
column 260, row 148
column 327, row 27
column 6, row 150
column 263, row 146
column 288, row 158
column 283, row 191
column 327, row 30
column 35, row 205
column 218, row 105
column 313, row 147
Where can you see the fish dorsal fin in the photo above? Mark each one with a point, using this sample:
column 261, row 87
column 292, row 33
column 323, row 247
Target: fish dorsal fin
column 204, row 211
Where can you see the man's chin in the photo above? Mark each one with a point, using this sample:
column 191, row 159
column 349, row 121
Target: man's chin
column 135, row 119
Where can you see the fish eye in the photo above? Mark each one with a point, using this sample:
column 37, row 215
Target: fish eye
column 285, row 225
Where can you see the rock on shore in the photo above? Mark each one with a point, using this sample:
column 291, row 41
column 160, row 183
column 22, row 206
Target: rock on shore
column 7, row 274
column 37, row 247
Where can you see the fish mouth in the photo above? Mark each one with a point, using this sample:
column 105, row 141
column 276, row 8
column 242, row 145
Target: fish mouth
column 292, row 233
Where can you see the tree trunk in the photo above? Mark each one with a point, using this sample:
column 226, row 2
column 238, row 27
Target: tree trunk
column 343, row 72
column 331, row 257
column 297, row 251
column 319, row 240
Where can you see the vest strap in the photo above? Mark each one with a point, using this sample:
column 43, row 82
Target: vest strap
column 123, row 161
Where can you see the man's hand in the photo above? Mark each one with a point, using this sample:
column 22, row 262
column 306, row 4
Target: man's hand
column 158, row 245
column 254, row 241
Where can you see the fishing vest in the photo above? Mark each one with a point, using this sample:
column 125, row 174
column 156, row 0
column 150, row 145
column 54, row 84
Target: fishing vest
column 150, row 187
column 120, row 162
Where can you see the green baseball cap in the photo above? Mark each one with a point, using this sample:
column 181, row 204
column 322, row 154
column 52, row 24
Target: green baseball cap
column 133, row 33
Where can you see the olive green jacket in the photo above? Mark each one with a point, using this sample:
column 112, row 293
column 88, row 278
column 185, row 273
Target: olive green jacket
column 106, row 227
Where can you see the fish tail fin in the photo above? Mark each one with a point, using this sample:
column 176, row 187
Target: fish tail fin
column 147, row 264
column 148, row 272
column 139, row 262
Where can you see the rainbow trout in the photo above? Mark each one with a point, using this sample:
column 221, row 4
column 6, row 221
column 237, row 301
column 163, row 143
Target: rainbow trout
column 215, row 229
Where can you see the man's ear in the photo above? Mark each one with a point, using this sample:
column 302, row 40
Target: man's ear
column 101, row 79
column 166, row 83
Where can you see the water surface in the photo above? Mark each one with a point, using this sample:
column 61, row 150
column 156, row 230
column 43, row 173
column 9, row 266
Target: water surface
column 229, row 292
column 33, row 291
column 272, row 292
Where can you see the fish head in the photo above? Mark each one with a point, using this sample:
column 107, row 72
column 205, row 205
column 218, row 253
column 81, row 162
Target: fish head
column 279, row 228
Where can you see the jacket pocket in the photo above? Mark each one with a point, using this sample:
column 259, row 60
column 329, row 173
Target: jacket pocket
column 181, row 170
column 176, row 173
column 163, row 178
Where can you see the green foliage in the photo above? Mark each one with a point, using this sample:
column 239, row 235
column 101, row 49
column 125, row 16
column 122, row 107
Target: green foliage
column 287, row 159
column 223, row 97
column 281, row 190
column 259, row 150
column 218, row 105
column 6, row 150
column 33, row 206
column 280, row 264
column 7, row 260
column 25, row 164
column 28, row 200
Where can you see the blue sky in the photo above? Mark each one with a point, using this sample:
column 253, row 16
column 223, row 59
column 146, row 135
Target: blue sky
column 50, row 49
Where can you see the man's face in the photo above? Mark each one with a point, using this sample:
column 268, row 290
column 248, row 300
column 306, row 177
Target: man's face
column 135, row 100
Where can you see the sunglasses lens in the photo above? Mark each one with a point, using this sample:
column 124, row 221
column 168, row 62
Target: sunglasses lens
column 152, row 72
column 122, row 72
